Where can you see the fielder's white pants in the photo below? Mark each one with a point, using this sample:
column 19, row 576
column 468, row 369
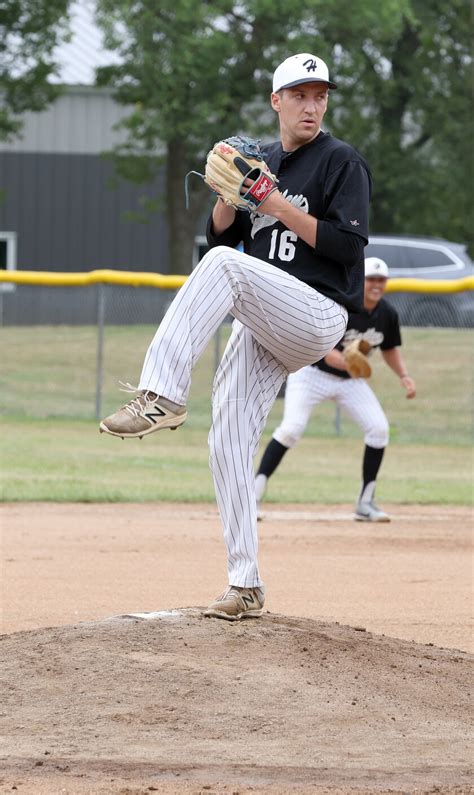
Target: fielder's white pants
column 280, row 325
column 310, row 386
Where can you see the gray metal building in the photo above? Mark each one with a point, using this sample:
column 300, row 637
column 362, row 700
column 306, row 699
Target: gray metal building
column 61, row 198
column 63, row 208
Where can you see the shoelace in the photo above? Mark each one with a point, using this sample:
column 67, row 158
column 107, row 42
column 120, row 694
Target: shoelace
column 126, row 387
column 224, row 593
column 227, row 592
column 134, row 407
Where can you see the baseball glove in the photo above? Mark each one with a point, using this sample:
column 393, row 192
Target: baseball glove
column 232, row 161
column 356, row 360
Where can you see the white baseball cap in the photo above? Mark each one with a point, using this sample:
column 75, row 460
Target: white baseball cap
column 301, row 68
column 374, row 266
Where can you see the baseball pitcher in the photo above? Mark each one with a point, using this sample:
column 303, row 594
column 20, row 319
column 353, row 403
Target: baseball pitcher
column 300, row 207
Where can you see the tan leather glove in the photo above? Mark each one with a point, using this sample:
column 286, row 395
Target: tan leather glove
column 232, row 161
column 356, row 361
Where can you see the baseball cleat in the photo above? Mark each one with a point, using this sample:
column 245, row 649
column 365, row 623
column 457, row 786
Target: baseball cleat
column 146, row 413
column 369, row 512
column 236, row 603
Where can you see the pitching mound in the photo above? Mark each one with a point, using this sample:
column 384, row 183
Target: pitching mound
column 177, row 703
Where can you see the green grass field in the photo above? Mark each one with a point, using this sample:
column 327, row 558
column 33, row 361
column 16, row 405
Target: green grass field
column 51, row 448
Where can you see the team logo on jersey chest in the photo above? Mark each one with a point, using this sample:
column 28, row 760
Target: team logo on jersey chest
column 371, row 335
column 260, row 220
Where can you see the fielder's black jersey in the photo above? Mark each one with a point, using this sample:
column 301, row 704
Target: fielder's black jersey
column 380, row 327
column 329, row 180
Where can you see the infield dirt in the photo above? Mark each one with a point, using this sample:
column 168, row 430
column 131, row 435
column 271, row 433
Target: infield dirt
column 355, row 679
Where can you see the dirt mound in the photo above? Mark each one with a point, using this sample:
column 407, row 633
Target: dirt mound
column 178, row 703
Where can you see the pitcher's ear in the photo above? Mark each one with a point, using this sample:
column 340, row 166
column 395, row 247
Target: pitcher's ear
column 275, row 101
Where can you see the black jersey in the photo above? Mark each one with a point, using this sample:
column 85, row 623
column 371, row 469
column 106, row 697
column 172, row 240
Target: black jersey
column 329, row 180
column 380, row 327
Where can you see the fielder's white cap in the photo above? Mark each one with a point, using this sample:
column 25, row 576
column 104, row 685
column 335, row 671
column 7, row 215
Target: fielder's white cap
column 374, row 266
column 301, row 68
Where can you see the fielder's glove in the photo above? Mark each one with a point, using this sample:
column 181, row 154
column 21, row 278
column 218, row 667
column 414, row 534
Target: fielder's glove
column 356, row 359
column 232, row 161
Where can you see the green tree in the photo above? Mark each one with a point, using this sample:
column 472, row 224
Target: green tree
column 190, row 72
column 193, row 73
column 29, row 32
column 405, row 103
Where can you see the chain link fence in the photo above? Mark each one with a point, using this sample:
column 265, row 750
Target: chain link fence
column 64, row 350
column 73, row 345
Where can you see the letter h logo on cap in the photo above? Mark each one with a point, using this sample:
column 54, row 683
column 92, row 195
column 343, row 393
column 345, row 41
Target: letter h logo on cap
column 310, row 65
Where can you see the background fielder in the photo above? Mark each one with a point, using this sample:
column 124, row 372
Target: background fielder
column 328, row 379
column 290, row 293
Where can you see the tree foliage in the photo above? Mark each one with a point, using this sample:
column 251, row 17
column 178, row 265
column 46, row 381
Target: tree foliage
column 190, row 71
column 405, row 104
column 193, row 73
column 29, row 32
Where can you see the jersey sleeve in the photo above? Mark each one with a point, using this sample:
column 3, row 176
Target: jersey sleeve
column 347, row 197
column 392, row 335
column 230, row 237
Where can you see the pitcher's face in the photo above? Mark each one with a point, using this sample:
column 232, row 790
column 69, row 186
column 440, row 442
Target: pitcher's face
column 301, row 110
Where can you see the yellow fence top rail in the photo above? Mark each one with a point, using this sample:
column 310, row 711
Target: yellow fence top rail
column 173, row 282
column 409, row 285
column 83, row 279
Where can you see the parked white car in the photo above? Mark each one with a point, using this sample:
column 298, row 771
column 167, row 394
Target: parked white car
column 427, row 258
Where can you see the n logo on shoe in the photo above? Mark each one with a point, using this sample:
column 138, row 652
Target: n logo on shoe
column 156, row 413
column 248, row 600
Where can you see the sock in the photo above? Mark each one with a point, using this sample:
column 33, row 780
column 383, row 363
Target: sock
column 271, row 458
column 370, row 468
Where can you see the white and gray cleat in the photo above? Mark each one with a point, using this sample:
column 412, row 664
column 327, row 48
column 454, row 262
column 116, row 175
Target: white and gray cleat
column 369, row 512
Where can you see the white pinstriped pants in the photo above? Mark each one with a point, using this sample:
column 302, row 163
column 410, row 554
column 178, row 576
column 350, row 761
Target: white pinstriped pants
column 280, row 325
column 310, row 386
